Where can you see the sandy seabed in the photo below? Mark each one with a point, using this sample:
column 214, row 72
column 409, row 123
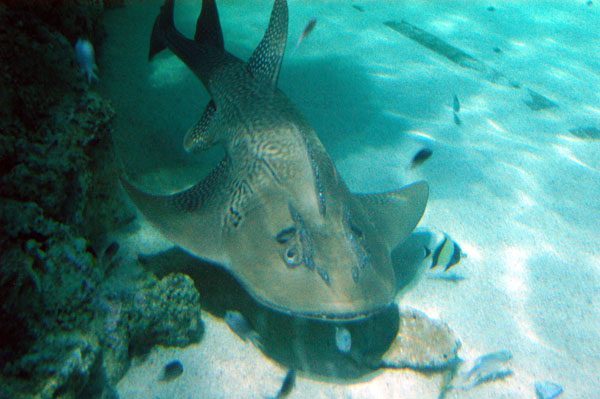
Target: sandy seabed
column 512, row 186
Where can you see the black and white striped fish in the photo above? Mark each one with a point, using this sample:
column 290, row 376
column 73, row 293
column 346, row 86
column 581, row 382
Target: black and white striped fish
column 446, row 253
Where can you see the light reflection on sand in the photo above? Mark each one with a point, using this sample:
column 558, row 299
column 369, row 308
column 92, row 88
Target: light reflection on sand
column 507, row 217
column 566, row 152
column 167, row 71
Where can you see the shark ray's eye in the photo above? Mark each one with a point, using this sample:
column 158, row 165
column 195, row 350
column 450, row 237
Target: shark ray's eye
column 285, row 235
column 292, row 256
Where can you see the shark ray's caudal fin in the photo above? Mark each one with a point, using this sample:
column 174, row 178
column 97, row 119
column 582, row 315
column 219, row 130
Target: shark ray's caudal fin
column 205, row 54
column 265, row 62
column 165, row 18
column 208, row 27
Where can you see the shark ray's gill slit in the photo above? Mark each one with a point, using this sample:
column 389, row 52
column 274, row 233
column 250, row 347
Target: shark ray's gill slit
column 265, row 150
column 270, row 169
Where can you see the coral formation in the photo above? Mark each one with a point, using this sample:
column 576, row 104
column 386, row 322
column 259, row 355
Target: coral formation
column 53, row 131
column 70, row 320
column 47, row 273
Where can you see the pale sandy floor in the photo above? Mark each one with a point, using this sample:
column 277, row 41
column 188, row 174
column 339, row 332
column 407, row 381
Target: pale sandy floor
column 511, row 186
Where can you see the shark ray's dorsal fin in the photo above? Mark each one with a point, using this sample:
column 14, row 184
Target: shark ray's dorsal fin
column 396, row 214
column 265, row 62
column 208, row 27
column 191, row 218
column 201, row 137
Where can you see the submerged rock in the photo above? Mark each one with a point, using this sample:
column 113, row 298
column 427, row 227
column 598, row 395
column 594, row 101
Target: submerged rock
column 55, row 145
column 422, row 344
column 48, row 277
column 65, row 364
column 487, row 368
column 547, row 390
column 166, row 312
column 67, row 331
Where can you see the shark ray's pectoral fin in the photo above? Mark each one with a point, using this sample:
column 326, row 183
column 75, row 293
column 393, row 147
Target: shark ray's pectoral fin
column 265, row 62
column 410, row 262
column 396, row 214
column 191, row 218
column 208, row 26
column 201, row 137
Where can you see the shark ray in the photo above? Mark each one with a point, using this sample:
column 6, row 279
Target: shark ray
column 275, row 212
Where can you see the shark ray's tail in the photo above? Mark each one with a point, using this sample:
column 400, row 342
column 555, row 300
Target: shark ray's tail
column 164, row 20
column 208, row 27
column 205, row 53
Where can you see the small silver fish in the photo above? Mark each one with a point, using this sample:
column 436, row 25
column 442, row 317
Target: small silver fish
column 456, row 104
column 420, row 157
column 457, row 119
column 171, row 371
column 84, row 52
column 286, row 387
column 111, row 251
column 343, row 339
column 590, row 132
column 307, row 29
column 240, row 326
column 487, row 368
column 547, row 390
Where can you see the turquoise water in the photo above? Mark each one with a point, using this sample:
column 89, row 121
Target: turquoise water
column 513, row 186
